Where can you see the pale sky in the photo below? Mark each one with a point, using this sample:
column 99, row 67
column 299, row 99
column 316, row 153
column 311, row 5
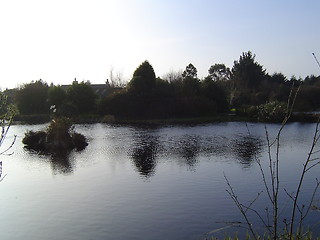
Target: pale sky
column 60, row 40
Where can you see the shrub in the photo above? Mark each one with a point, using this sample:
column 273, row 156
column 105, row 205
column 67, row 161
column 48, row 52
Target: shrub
column 272, row 112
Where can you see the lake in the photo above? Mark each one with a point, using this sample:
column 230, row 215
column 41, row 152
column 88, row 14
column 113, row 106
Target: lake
column 147, row 182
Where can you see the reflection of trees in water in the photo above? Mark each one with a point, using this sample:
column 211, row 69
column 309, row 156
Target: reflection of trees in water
column 61, row 163
column 144, row 154
column 246, row 148
column 148, row 147
column 188, row 149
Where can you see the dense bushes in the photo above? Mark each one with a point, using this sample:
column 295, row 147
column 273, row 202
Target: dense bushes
column 246, row 86
column 37, row 98
column 269, row 112
column 31, row 98
column 150, row 97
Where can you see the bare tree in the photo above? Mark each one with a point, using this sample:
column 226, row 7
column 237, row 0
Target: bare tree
column 272, row 186
column 173, row 76
column 7, row 113
column 116, row 79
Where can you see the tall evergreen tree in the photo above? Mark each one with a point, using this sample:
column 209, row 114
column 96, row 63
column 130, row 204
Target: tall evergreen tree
column 143, row 80
column 247, row 73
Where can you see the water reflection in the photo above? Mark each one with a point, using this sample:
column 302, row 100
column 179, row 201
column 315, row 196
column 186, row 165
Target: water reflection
column 246, row 149
column 242, row 149
column 60, row 163
column 111, row 176
column 189, row 147
column 144, row 153
column 149, row 146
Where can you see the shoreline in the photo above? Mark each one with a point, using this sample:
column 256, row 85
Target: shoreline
column 40, row 119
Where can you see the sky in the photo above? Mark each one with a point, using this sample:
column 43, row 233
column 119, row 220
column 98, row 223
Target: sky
column 60, row 40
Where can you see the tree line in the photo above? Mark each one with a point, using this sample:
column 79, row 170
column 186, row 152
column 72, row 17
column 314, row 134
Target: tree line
column 246, row 87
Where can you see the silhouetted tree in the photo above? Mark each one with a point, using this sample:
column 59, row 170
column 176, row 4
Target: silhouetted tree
column 294, row 80
column 57, row 96
column 190, row 87
column 190, row 72
column 247, row 73
column 82, row 96
column 190, row 82
column 308, row 98
column 119, row 104
column 215, row 94
column 219, row 72
column 143, row 80
column 31, row 98
column 312, row 80
column 11, row 94
column 278, row 78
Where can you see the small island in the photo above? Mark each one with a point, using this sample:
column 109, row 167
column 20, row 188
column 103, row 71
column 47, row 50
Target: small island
column 59, row 137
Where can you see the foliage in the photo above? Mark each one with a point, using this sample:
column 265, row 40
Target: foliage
column 58, row 133
column 219, row 72
column 278, row 78
column 143, row 80
column 117, row 104
column 178, row 94
column 82, row 97
column 36, row 139
column 31, row 98
column 190, row 87
column 271, row 112
column 247, row 76
column 57, row 96
column 215, row 93
column 181, row 97
column 308, row 98
column 190, row 72
column 247, row 73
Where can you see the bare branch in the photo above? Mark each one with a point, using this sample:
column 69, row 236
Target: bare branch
column 240, row 207
column 260, row 217
column 254, row 200
column 312, row 199
column 312, row 166
column 304, row 171
column 265, row 181
column 11, row 145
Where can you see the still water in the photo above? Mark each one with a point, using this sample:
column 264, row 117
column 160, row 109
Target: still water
column 138, row 182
